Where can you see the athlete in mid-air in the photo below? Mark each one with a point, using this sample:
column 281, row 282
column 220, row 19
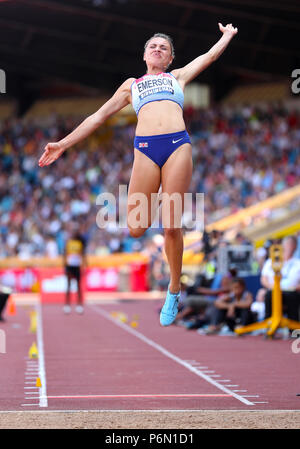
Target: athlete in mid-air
column 162, row 147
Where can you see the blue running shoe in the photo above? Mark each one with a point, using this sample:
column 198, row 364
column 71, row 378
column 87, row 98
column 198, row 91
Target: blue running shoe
column 170, row 308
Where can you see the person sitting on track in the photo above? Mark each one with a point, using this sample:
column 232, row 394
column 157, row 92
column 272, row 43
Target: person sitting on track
column 199, row 301
column 231, row 307
column 162, row 147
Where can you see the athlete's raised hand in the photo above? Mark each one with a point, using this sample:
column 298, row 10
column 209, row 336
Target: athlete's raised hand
column 228, row 29
column 52, row 152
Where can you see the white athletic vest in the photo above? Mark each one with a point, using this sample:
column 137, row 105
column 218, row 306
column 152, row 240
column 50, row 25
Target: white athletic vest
column 163, row 86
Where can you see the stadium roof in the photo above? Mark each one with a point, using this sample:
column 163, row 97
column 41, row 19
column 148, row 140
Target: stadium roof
column 99, row 43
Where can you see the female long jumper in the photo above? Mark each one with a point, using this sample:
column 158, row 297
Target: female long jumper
column 162, row 148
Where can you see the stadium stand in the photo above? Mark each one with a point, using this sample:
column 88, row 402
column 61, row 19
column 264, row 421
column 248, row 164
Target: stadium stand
column 257, row 93
column 242, row 156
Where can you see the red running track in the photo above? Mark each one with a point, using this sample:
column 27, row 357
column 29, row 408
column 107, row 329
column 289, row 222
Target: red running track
column 97, row 362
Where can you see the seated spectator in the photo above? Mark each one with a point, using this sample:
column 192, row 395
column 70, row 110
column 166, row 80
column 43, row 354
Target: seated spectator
column 199, row 300
column 232, row 308
column 258, row 306
column 297, row 251
column 289, row 283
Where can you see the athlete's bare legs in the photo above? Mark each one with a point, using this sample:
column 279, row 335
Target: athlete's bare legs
column 67, row 298
column 145, row 179
column 176, row 178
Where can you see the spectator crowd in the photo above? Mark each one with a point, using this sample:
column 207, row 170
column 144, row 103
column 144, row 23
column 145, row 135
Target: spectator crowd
column 241, row 156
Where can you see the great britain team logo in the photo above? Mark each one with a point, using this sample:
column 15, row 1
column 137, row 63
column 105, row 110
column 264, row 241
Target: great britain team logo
column 143, row 145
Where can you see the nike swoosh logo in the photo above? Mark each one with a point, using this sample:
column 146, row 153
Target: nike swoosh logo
column 175, row 141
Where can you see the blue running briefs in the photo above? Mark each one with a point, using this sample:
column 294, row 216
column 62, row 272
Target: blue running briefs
column 159, row 148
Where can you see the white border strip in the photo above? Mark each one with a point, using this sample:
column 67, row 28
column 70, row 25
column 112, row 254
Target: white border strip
column 168, row 354
column 212, row 410
column 42, row 371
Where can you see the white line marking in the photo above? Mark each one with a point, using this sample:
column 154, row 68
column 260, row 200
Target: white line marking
column 32, row 383
column 224, row 380
column 256, row 402
column 251, row 395
column 30, row 387
column 215, row 375
column 171, row 356
column 133, row 396
column 241, row 391
column 231, row 385
column 28, row 405
column 42, row 370
column 262, row 412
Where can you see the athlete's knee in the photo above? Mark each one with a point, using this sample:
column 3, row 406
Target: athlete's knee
column 172, row 232
column 136, row 232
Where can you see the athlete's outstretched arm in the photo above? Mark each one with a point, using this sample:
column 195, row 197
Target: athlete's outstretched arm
column 191, row 70
column 118, row 101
